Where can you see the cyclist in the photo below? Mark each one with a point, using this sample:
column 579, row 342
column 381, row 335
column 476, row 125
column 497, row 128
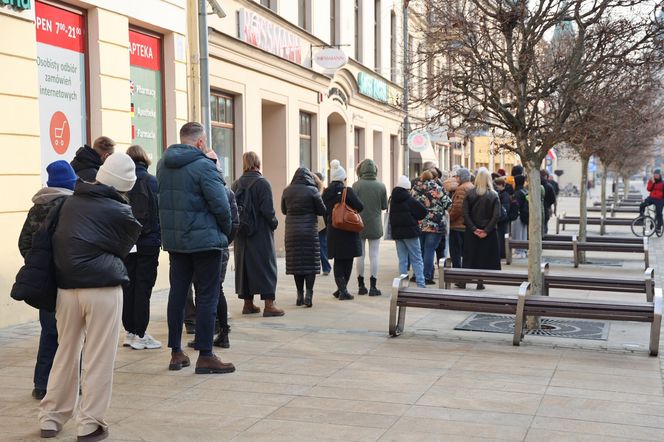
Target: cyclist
column 656, row 188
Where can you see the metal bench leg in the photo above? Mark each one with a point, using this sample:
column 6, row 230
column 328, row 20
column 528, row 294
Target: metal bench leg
column 402, row 319
column 649, row 277
column 646, row 252
column 519, row 317
column 557, row 225
column 397, row 283
column 655, row 327
column 575, row 251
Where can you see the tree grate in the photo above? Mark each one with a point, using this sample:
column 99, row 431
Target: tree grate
column 553, row 327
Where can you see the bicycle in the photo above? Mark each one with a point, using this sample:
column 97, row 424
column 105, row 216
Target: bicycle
column 645, row 225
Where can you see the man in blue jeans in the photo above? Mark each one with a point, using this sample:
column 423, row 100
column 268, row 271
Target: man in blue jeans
column 195, row 220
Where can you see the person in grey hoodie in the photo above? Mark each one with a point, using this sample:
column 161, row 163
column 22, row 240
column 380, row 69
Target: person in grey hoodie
column 60, row 184
column 373, row 195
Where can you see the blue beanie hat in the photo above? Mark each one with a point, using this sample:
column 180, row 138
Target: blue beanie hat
column 61, row 174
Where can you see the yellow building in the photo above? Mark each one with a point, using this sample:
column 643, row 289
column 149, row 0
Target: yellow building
column 486, row 154
column 73, row 71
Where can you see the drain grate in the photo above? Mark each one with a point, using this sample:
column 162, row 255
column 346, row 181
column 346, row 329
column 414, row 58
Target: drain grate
column 560, row 328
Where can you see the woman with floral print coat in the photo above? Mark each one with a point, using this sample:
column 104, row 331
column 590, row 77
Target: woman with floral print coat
column 431, row 194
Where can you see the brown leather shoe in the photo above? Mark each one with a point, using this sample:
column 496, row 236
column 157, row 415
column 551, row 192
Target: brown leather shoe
column 179, row 360
column 249, row 307
column 99, row 434
column 271, row 310
column 212, row 364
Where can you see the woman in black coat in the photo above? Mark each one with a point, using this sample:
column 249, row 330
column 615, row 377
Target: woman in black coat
column 302, row 204
column 255, row 255
column 343, row 246
column 481, row 210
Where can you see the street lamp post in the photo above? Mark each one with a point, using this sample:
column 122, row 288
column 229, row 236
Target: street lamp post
column 406, row 94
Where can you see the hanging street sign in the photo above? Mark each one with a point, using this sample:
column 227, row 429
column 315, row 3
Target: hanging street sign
column 419, row 141
column 331, row 58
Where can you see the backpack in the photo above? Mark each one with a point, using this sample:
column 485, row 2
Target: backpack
column 143, row 204
column 513, row 213
column 245, row 209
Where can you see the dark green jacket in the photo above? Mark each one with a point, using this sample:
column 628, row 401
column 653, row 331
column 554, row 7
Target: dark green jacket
column 373, row 195
column 194, row 211
column 44, row 201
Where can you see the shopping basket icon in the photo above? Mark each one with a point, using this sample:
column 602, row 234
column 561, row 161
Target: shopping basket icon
column 59, row 132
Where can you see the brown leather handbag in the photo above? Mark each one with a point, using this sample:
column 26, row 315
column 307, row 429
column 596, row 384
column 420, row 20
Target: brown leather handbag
column 346, row 218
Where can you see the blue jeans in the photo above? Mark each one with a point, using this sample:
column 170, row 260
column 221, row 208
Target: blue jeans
column 48, row 344
column 325, row 264
column 429, row 243
column 456, row 248
column 659, row 204
column 408, row 250
column 205, row 267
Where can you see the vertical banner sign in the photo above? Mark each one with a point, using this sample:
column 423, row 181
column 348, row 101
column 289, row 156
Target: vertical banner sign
column 61, row 70
column 145, row 90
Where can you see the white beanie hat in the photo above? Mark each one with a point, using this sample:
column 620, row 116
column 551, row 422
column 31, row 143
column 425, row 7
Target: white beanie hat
column 118, row 171
column 337, row 173
column 404, row 182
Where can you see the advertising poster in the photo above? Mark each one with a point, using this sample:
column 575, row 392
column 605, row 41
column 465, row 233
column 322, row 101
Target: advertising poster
column 145, row 90
column 61, row 70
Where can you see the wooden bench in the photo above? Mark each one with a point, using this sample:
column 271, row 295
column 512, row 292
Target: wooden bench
column 613, row 209
column 586, row 246
column 511, row 244
column 644, row 285
column 521, row 306
column 601, row 222
column 595, row 238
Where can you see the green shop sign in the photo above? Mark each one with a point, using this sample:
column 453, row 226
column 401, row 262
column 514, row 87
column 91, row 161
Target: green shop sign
column 17, row 4
column 372, row 87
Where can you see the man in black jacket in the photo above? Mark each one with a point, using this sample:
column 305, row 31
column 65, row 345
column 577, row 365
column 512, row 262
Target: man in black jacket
column 549, row 198
column 95, row 231
column 88, row 159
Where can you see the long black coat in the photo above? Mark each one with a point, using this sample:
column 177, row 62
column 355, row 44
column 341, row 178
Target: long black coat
column 340, row 243
column 86, row 163
column 255, row 256
column 302, row 204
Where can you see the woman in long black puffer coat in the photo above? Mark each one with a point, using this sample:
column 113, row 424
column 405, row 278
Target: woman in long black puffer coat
column 342, row 246
column 301, row 202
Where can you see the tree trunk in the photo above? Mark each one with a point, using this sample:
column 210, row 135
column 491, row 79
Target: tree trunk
column 583, row 208
column 535, row 220
column 605, row 172
column 626, row 186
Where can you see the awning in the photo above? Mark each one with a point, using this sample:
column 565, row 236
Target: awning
column 422, row 157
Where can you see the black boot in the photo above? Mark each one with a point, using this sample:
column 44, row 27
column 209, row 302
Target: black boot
column 308, row 298
column 343, row 292
column 300, row 298
column 222, row 338
column 373, row 291
column 361, row 288
column 335, row 293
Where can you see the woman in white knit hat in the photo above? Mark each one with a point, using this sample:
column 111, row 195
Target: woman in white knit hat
column 343, row 246
column 95, row 231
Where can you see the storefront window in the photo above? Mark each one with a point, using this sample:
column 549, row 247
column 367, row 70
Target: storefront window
column 223, row 133
column 305, row 140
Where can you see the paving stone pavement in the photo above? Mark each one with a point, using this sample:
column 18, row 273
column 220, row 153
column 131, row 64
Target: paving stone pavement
column 332, row 373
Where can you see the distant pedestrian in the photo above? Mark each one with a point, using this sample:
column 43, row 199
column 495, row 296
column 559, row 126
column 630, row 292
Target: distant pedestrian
column 434, row 198
column 405, row 214
column 302, row 204
column 255, row 254
column 457, row 226
column 95, row 231
column 481, row 210
column 503, row 226
column 549, row 198
column 322, row 230
column 196, row 220
column 343, row 246
column 60, row 185
column 519, row 226
column 142, row 262
column 88, row 159
column 373, row 195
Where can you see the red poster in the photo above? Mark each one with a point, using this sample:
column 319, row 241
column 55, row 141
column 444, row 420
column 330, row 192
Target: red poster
column 144, row 51
column 59, row 27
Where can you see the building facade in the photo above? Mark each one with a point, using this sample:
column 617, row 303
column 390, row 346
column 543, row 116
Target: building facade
column 75, row 70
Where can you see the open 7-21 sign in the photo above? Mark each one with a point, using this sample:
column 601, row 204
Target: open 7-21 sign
column 18, row 4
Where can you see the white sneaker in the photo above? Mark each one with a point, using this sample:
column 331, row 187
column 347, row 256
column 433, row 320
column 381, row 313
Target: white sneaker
column 129, row 338
column 146, row 341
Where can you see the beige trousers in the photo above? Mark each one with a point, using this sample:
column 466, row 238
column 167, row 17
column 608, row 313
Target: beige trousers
column 88, row 319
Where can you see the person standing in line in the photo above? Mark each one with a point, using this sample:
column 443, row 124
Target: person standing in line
column 549, row 198
column 373, row 195
column 322, row 230
column 457, row 225
column 302, row 204
column 195, row 218
column 343, row 246
column 255, row 254
column 520, row 225
column 556, row 190
column 504, row 220
column 88, row 159
column 481, row 210
column 95, row 231
column 435, row 199
column 405, row 214
column 60, row 185
column 141, row 264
